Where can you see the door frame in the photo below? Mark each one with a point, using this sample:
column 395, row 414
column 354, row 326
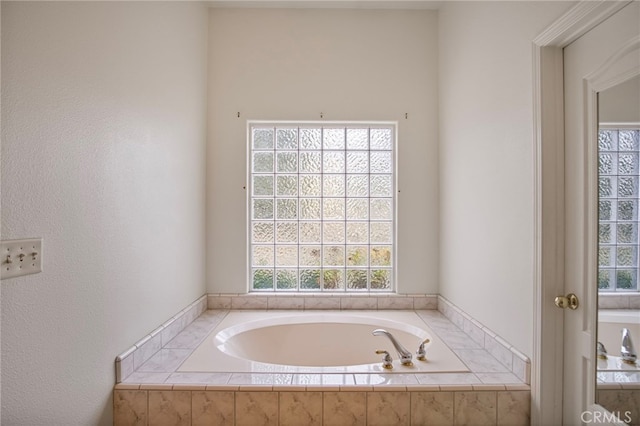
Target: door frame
column 548, row 154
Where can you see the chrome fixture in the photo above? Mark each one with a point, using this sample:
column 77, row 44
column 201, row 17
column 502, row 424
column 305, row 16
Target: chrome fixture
column 387, row 360
column 405, row 355
column 421, row 354
column 627, row 352
column 601, row 351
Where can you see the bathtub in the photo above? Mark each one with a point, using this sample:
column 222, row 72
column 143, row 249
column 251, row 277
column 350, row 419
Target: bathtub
column 610, row 325
column 317, row 342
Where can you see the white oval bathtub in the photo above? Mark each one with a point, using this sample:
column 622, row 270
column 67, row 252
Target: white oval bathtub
column 610, row 325
column 317, row 342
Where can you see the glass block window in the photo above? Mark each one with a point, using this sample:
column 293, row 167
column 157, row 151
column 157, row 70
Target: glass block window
column 322, row 207
column 618, row 243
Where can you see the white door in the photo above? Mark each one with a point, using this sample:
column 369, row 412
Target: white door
column 601, row 58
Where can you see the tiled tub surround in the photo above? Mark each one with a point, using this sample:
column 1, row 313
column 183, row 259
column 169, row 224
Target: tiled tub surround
column 157, row 394
column 134, row 357
column 619, row 399
column 619, row 300
column 515, row 361
column 490, row 393
column 313, row 301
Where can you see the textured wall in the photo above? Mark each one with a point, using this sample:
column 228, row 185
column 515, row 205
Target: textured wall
column 486, row 160
column 292, row 64
column 103, row 147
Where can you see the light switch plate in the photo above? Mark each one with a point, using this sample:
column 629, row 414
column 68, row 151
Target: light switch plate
column 20, row 257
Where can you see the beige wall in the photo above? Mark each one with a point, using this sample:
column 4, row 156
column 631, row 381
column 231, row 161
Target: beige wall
column 103, row 146
column 292, row 64
column 620, row 103
column 486, row 160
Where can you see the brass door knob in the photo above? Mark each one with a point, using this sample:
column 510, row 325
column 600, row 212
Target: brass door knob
column 569, row 301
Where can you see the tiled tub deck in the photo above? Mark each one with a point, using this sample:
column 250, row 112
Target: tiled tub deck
column 154, row 393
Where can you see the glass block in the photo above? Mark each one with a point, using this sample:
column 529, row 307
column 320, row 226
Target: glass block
column 628, row 210
column 262, row 232
column 286, row 255
column 263, row 185
column 607, row 140
column 333, row 186
column 357, row 209
column 380, row 279
column 310, row 185
column 310, row 233
column 357, row 232
column 381, row 209
column 381, row 186
column 310, row 279
column 262, row 256
column 262, row 209
column 310, row 162
column 605, row 164
column 605, row 210
column 380, row 162
column 333, row 138
column 628, row 163
column 357, row 186
column 357, row 139
column 628, row 140
column 286, row 185
column 627, row 279
column 628, row 186
column 287, row 139
column 357, row 162
column 604, row 279
column 604, row 256
column 333, row 208
column 333, row 256
column 356, row 279
column 381, row 232
column 333, row 279
column 287, row 232
column 627, row 256
column 310, row 255
column 263, row 138
column 627, row 233
column 605, row 187
column 380, row 256
column 333, row 232
column 333, row 162
column 380, row 139
column 287, row 162
column 357, row 255
column 263, row 162
column 310, row 138
column 286, row 279
column 262, row 279
column 287, row 209
column 604, row 233
column 309, row 209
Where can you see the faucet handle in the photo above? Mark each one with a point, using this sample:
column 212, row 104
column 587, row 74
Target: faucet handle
column 387, row 360
column 421, row 352
column 601, row 351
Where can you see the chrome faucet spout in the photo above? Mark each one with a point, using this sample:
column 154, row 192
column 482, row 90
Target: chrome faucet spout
column 405, row 356
column 627, row 351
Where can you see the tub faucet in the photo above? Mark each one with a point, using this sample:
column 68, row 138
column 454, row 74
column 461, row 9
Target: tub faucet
column 627, row 351
column 404, row 354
